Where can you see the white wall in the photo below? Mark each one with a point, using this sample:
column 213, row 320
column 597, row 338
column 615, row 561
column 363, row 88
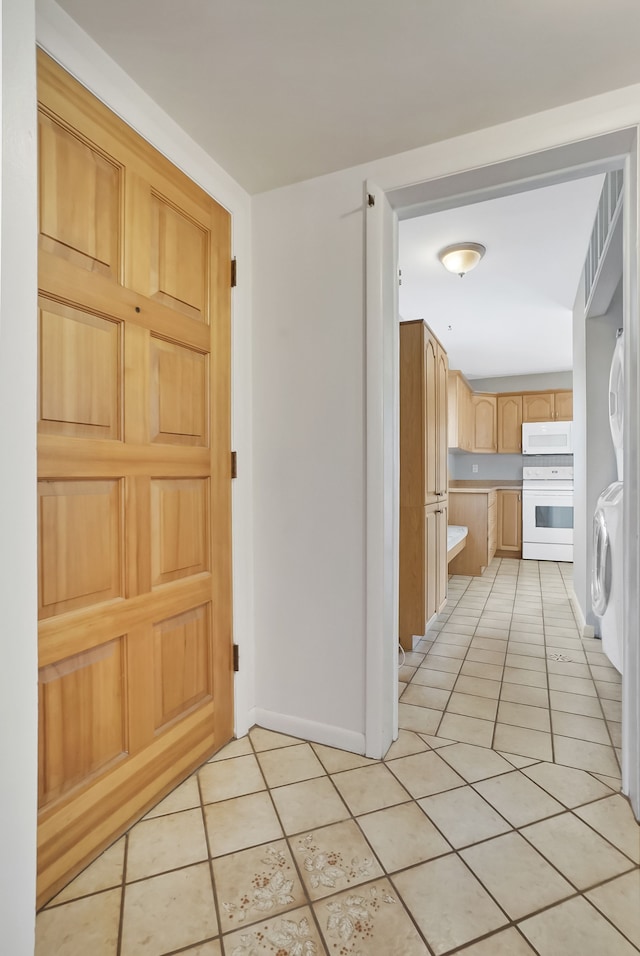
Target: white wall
column 60, row 36
column 18, row 598
column 309, row 417
column 308, row 426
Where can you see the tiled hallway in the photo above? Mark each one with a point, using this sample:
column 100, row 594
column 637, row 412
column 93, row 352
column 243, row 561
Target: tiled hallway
column 505, row 667
column 278, row 847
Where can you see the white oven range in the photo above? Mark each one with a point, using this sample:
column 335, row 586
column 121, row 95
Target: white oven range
column 547, row 513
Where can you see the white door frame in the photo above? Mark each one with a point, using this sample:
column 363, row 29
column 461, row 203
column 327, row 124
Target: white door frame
column 557, row 164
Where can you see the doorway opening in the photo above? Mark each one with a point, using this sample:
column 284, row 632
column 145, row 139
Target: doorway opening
column 555, row 166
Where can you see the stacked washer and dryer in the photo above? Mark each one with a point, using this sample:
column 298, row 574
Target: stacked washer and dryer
column 608, row 554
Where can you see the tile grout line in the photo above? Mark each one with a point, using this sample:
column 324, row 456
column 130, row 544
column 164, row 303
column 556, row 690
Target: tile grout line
column 216, row 905
column 125, row 862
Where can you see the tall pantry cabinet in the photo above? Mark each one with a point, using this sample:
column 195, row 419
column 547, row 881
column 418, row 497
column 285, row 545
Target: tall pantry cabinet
column 423, row 479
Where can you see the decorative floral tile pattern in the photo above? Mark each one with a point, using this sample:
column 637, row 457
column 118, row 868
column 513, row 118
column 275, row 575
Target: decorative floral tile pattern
column 370, row 920
column 255, row 883
column 334, row 858
column 292, row 935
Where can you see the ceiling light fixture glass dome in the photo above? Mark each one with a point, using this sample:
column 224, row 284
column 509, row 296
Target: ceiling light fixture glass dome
column 461, row 257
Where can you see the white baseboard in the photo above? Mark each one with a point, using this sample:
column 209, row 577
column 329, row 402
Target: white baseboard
column 311, row 730
column 587, row 630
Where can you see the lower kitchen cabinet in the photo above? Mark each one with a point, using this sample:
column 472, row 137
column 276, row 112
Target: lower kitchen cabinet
column 477, row 510
column 510, row 523
column 423, row 568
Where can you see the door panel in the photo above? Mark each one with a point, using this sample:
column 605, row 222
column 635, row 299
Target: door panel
column 430, row 563
column 538, row 407
column 179, row 389
column 179, row 528
column 179, row 257
column 181, row 659
column 510, row 520
column 484, row 423
column 442, row 577
column 80, row 381
column 430, row 420
column 89, row 684
column 81, row 559
column 135, row 591
column 442, row 451
column 564, row 406
column 80, row 190
column 510, row 424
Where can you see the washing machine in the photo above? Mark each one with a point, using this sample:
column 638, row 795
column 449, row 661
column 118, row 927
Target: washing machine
column 616, row 400
column 606, row 578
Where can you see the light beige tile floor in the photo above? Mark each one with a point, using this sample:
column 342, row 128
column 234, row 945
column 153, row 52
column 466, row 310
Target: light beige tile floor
column 502, row 834
column 505, row 666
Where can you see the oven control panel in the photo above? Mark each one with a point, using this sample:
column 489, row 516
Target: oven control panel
column 548, row 473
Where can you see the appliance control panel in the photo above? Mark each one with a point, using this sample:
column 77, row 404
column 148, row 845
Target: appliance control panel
column 548, row 473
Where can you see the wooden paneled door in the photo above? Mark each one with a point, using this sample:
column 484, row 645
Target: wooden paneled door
column 135, row 635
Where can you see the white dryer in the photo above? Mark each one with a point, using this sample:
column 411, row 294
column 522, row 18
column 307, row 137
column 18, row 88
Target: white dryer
column 606, row 578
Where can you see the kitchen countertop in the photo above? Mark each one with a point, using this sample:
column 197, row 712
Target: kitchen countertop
column 483, row 486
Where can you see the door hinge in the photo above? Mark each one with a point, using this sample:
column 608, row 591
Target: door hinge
column 234, row 464
column 399, row 276
column 234, row 273
column 236, row 658
column 371, row 199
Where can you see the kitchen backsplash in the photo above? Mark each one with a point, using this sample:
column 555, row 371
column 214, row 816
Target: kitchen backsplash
column 508, row 467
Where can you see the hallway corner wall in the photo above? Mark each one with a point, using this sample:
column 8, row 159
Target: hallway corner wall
column 18, row 387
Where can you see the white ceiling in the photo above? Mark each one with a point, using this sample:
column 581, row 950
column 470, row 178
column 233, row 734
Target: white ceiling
column 282, row 90
column 513, row 314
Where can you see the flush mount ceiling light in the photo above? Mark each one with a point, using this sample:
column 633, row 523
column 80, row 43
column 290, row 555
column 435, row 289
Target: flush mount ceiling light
column 461, row 257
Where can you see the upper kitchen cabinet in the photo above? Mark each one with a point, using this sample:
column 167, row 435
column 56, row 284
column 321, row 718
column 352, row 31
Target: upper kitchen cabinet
column 510, row 424
column 554, row 406
column 538, row 407
column 564, row 406
column 489, row 422
column 484, row 421
column 460, row 412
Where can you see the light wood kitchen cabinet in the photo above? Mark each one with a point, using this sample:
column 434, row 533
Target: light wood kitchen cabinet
column 509, row 522
column 564, row 406
column 442, row 425
column 556, row 406
column 423, row 479
column 509, row 424
column 488, row 422
column 441, row 566
column 484, row 406
column 538, row 407
column 460, row 412
column 477, row 510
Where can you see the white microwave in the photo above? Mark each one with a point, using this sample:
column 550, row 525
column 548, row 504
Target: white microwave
column 547, row 438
